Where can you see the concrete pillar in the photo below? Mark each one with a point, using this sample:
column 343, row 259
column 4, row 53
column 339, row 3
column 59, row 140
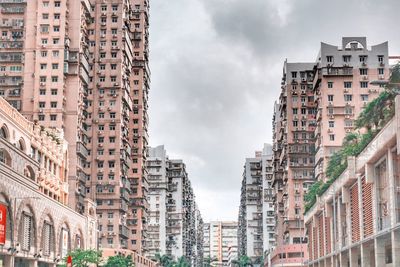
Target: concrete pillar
column 392, row 187
column 379, row 252
column 8, row 261
column 360, row 203
column 365, row 256
column 354, row 255
column 396, row 247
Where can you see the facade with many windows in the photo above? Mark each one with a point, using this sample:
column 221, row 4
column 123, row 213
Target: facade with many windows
column 82, row 66
column 37, row 227
column 356, row 220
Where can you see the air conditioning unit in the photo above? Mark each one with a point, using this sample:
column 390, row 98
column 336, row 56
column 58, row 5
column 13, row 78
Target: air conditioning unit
column 101, row 96
column 100, row 145
column 364, row 63
column 381, row 77
column 303, row 92
column 116, row 84
column 382, row 64
column 40, row 110
column 365, row 77
column 42, row 84
column 103, row 36
column 330, row 103
column 348, row 130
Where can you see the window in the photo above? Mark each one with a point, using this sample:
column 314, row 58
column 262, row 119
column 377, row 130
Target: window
column 112, row 127
column 330, row 98
column 364, row 84
column 112, row 115
column 363, row 71
column 47, row 238
column 348, row 123
column 44, row 41
column 27, row 229
column 330, row 111
column 112, row 139
column 294, row 74
column 295, row 123
column 330, row 85
column 348, row 110
column 114, row 31
column 381, row 71
column 111, row 164
column 113, row 66
column 102, row 66
column 54, row 91
column 42, row 91
column 331, row 124
column 347, row 84
column 44, row 28
column 114, row 7
column 56, row 28
column 53, row 104
column 114, row 54
column 57, row 4
column 363, row 59
column 114, row 19
column 56, row 41
column 45, row 16
column 56, row 53
column 100, row 164
column 44, row 53
column 56, row 16
column 295, row 111
column 364, row 97
column 380, row 59
column 53, row 117
column 45, row 4
column 332, row 137
column 43, row 66
column 348, row 97
column 55, row 66
column 329, row 59
column 41, row 117
column 54, row 79
column 42, row 104
column 346, row 59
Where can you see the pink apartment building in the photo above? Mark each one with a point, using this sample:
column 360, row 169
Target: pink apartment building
column 342, row 88
column 317, row 108
column 82, row 66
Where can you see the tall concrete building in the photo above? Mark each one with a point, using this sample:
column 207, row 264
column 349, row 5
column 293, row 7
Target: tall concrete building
column 82, row 66
column 293, row 160
column 255, row 209
column 175, row 223
column 221, row 242
column 317, row 106
column 342, row 88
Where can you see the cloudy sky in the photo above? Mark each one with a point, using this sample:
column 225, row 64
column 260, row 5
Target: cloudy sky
column 216, row 69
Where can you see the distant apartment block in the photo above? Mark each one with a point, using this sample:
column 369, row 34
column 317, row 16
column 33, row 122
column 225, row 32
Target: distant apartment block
column 255, row 209
column 221, row 242
column 82, row 66
column 356, row 221
column 175, row 223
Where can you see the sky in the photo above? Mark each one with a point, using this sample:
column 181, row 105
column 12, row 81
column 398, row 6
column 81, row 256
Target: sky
column 216, row 69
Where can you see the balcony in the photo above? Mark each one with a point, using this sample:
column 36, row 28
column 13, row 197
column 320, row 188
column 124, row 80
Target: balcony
column 12, row 1
column 123, row 231
column 337, row 71
column 81, row 149
column 11, row 57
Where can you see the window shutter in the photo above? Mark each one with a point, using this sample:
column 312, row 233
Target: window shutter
column 27, row 232
column 46, row 239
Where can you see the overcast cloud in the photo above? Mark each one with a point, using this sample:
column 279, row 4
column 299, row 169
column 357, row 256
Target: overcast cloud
column 216, row 69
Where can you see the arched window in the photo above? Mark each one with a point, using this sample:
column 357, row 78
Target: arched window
column 4, row 133
column 26, row 230
column 30, row 173
column 65, row 241
column 5, row 157
column 48, row 244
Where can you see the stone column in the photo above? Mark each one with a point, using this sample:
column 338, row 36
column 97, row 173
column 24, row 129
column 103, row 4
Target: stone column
column 396, row 247
column 379, row 252
column 365, row 256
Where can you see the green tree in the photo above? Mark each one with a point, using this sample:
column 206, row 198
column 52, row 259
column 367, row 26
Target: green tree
column 119, row 261
column 84, row 258
column 243, row 261
column 163, row 260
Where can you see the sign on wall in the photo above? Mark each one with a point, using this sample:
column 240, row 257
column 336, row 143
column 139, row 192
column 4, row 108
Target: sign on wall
column 3, row 223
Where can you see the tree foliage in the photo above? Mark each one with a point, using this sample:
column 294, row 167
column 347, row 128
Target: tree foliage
column 84, row 258
column 120, row 261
